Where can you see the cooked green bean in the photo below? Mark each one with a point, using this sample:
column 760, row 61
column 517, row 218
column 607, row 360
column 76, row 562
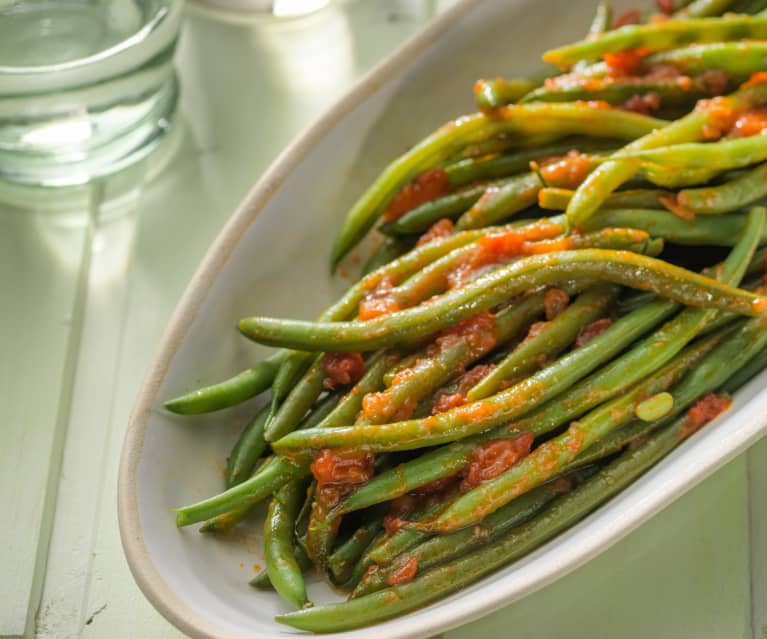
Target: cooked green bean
column 498, row 92
column 249, row 447
column 554, row 337
column 281, row 564
column 298, row 401
column 739, row 59
column 723, row 198
column 450, row 577
column 705, row 8
column 752, row 368
column 661, row 35
column 341, row 563
column 230, row 392
column 620, row 267
column 722, row 155
column 558, row 199
column 561, row 119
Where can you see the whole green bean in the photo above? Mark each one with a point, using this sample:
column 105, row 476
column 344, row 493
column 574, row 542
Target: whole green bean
column 605, row 179
column 224, row 523
column 450, row 577
column 723, row 198
column 298, row 401
column 261, row 580
column 249, row 447
column 230, row 392
column 753, row 367
column 739, row 59
column 497, row 409
column 437, row 550
column 722, row 155
column 720, row 230
column 449, row 206
column 518, row 161
column 498, row 92
column 341, row 563
column 670, row 92
column 548, row 459
column 620, row 267
column 561, row 119
column 281, row 564
column 556, row 335
column 661, row 35
column 558, row 199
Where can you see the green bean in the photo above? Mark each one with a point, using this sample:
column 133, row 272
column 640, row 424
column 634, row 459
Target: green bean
column 300, row 399
column 497, row 409
column 732, row 195
column 722, row 155
column 437, row 550
column 281, row 565
column 739, row 59
column 450, row 206
column 561, row 119
column 556, row 335
column 249, row 447
column 620, row 267
column 341, row 563
column 705, row 8
column 605, row 179
column 230, row 392
column 261, row 580
column 661, row 35
column 670, row 177
column 670, row 92
column 720, row 230
column 754, row 366
column 558, row 199
column 499, row 166
column 501, row 201
column 390, row 249
column 224, row 523
column 498, row 92
column 450, row 577
column 658, row 348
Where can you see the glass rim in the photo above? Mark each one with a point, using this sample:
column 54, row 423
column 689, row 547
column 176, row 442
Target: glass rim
column 143, row 45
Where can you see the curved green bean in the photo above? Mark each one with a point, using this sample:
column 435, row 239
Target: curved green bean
column 498, row 92
column 281, row 565
column 723, row 198
column 561, row 119
column 661, row 35
column 620, row 267
column 246, row 452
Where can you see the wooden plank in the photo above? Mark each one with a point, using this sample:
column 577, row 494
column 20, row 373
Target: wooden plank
column 42, row 274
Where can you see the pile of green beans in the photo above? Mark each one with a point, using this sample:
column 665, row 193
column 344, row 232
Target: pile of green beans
column 568, row 284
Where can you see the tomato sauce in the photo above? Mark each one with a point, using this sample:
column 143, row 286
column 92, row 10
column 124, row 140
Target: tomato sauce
column 428, row 186
column 703, row 411
column 555, row 301
column 438, row 230
column 342, row 369
column 334, row 468
column 644, row 104
column 627, row 62
column 378, row 300
column 492, row 459
column 565, row 172
column 592, row 330
column 404, row 573
column 448, row 401
column 478, row 331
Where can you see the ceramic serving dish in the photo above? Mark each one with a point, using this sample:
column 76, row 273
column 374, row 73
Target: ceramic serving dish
column 271, row 259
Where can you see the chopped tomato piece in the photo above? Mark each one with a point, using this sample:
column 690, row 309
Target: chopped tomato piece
column 626, row 62
column 555, row 300
column 400, row 508
column 590, row 331
column 440, row 229
column 342, row 369
column 426, row 187
column 715, row 81
column 566, row 172
column 404, row 573
column 474, row 375
column 337, row 467
column 478, row 330
column 494, row 458
column 447, row 401
column 751, row 122
column 378, row 300
column 703, row 411
column 645, row 104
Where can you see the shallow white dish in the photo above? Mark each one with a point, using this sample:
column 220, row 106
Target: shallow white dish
column 271, row 259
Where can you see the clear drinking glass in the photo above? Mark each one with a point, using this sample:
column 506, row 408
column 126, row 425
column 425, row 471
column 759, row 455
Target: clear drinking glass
column 86, row 86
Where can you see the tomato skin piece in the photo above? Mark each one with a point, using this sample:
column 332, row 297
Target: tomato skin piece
column 342, row 369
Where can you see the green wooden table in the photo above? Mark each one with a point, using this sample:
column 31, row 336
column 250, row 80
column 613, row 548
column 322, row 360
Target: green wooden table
column 89, row 279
